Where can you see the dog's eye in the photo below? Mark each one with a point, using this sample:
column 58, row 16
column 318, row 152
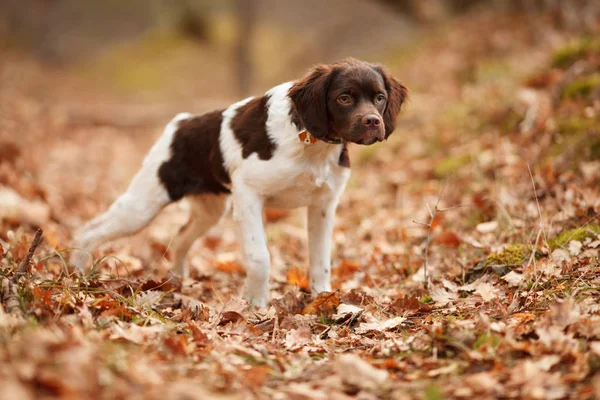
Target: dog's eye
column 379, row 99
column 345, row 99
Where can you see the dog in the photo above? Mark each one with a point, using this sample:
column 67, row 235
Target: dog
column 286, row 149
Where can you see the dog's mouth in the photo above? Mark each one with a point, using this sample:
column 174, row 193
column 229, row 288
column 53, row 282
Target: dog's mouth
column 367, row 142
column 367, row 136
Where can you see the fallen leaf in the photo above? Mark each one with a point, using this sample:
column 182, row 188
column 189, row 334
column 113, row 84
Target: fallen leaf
column 442, row 296
column 325, row 303
column 487, row 227
column 298, row 337
column 347, row 310
column 230, row 267
column 274, row 215
column 298, row 277
column 230, row 316
column 408, row 304
column 575, row 247
column 170, row 283
column 448, row 239
column 356, row 372
column 380, row 326
column 513, row 278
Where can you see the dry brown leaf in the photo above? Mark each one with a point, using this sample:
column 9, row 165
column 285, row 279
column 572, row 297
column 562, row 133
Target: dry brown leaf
column 230, row 316
column 448, row 239
column 408, row 304
column 356, row 372
column 325, row 304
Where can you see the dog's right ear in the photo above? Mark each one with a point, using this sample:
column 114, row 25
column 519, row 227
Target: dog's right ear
column 309, row 97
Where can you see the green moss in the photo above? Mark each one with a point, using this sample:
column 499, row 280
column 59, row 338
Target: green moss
column 567, row 55
column 432, row 392
column 513, row 254
column 579, row 139
column 582, row 87
column 450, row 164
column 570, row 126
column 578, row 234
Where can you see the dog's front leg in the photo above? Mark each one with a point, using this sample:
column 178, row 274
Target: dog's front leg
column 247, row 213
column 320, row 231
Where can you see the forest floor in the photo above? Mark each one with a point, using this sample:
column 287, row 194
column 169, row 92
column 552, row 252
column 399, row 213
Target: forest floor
column 503, row 130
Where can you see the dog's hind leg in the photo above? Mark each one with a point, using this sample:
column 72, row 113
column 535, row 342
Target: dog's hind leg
column 205, row 212
column 134, row 209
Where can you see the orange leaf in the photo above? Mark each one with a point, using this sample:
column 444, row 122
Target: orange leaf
column 345, row 270
column 256, row 375
column 178, row 344
column 298, row 277
column 325, row 303
column 437, row 221
column 230, row 267
column 199, row 336
column 43, row 295
column 448, row 238
column 274, row 215
column 212, row 242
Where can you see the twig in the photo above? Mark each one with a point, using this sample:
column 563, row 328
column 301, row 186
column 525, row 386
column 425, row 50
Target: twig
column 538, row 205
column 25, row 263
column 429, row 226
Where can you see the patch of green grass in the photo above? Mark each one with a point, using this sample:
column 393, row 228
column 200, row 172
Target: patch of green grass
column 578, row 234
column 569, row 54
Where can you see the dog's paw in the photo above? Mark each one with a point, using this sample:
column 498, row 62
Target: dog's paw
column 257, row 302
column 320, row 287
column 257, row 296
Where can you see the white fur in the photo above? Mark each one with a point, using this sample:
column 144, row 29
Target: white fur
column 134, row 209
column 296, row 175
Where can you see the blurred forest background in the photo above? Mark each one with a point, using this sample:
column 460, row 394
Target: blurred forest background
column 504, row 119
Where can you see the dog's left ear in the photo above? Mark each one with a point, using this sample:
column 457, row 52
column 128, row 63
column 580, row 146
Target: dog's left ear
column 309, row 96
column 397, row 94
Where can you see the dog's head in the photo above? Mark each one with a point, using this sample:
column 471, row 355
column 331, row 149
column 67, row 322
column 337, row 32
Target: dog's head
column 351, row 100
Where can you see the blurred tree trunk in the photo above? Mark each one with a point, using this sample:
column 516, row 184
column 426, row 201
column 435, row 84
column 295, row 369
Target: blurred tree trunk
column 246, row 16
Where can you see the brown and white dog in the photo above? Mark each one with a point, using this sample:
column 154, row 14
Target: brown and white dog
column 285, row 149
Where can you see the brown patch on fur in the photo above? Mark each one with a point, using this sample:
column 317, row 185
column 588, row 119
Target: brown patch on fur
column 250, row 129
column 344, row 160
column 309, row 96
column 397, row 95
column 196, row 165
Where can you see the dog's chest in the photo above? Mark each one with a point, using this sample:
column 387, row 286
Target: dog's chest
column 300, row 182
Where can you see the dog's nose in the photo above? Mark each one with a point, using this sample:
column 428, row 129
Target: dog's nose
column 371, row 120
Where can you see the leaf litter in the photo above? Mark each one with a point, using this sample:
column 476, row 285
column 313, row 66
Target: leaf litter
column 512, row 310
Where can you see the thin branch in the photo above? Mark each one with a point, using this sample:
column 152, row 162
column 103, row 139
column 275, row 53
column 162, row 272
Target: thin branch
column 421, row 223
column 24, row 266
column 429, row 227
column 538, row 205
column 429, row 209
